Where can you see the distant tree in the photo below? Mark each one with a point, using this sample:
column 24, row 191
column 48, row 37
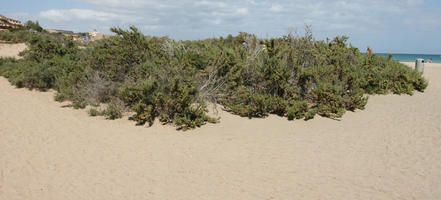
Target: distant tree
column 33, row 25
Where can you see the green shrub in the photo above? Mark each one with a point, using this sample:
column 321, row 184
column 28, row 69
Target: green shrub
column 330, row 102
column 175, row 103
column 298, row 110
column 310, row 114
column 79, row 105
column 114, row 110
column 94, row 112
column 14, row 36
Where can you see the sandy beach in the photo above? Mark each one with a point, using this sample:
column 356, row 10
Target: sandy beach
column 390, row 150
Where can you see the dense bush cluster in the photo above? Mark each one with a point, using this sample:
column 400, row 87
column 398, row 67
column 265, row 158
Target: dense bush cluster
column 172, row 81
column 14, row 35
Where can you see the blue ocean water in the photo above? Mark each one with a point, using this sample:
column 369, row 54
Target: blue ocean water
column 412, row 57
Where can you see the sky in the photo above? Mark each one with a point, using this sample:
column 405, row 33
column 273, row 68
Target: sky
column 387, row 26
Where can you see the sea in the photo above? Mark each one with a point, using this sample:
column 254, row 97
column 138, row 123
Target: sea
column 412, row 57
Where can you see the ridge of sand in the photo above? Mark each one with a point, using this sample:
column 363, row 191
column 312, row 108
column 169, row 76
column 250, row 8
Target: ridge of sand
column 11, row 50
column 390, row 150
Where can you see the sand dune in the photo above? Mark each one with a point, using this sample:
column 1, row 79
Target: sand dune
column 390, row 150
column 11, row 50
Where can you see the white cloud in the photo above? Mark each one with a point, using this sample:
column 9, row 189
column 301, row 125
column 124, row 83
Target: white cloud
column 151, row 27
column 276, row 8
column 211, row 3
column 66, row 15
column 242, row 11
column 217, row 21
column 193, row 19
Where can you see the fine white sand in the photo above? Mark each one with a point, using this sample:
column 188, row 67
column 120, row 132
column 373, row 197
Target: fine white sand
column 11, row 50
column 390, row 150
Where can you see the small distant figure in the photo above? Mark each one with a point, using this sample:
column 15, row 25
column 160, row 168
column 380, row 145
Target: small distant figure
column 429, row 60
column 245, row 45
column 389, row 56
column 369, row 51
column 263, row 46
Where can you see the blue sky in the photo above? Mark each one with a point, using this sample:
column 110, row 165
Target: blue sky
column 398, row 26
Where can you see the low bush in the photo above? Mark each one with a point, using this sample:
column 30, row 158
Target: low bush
column 298, row 110
column 14, row 36
column 94, row 112
column 114, row 110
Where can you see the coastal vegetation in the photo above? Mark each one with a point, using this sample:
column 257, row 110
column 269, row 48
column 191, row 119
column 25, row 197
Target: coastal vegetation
column 175, row 81
column 22, row 34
